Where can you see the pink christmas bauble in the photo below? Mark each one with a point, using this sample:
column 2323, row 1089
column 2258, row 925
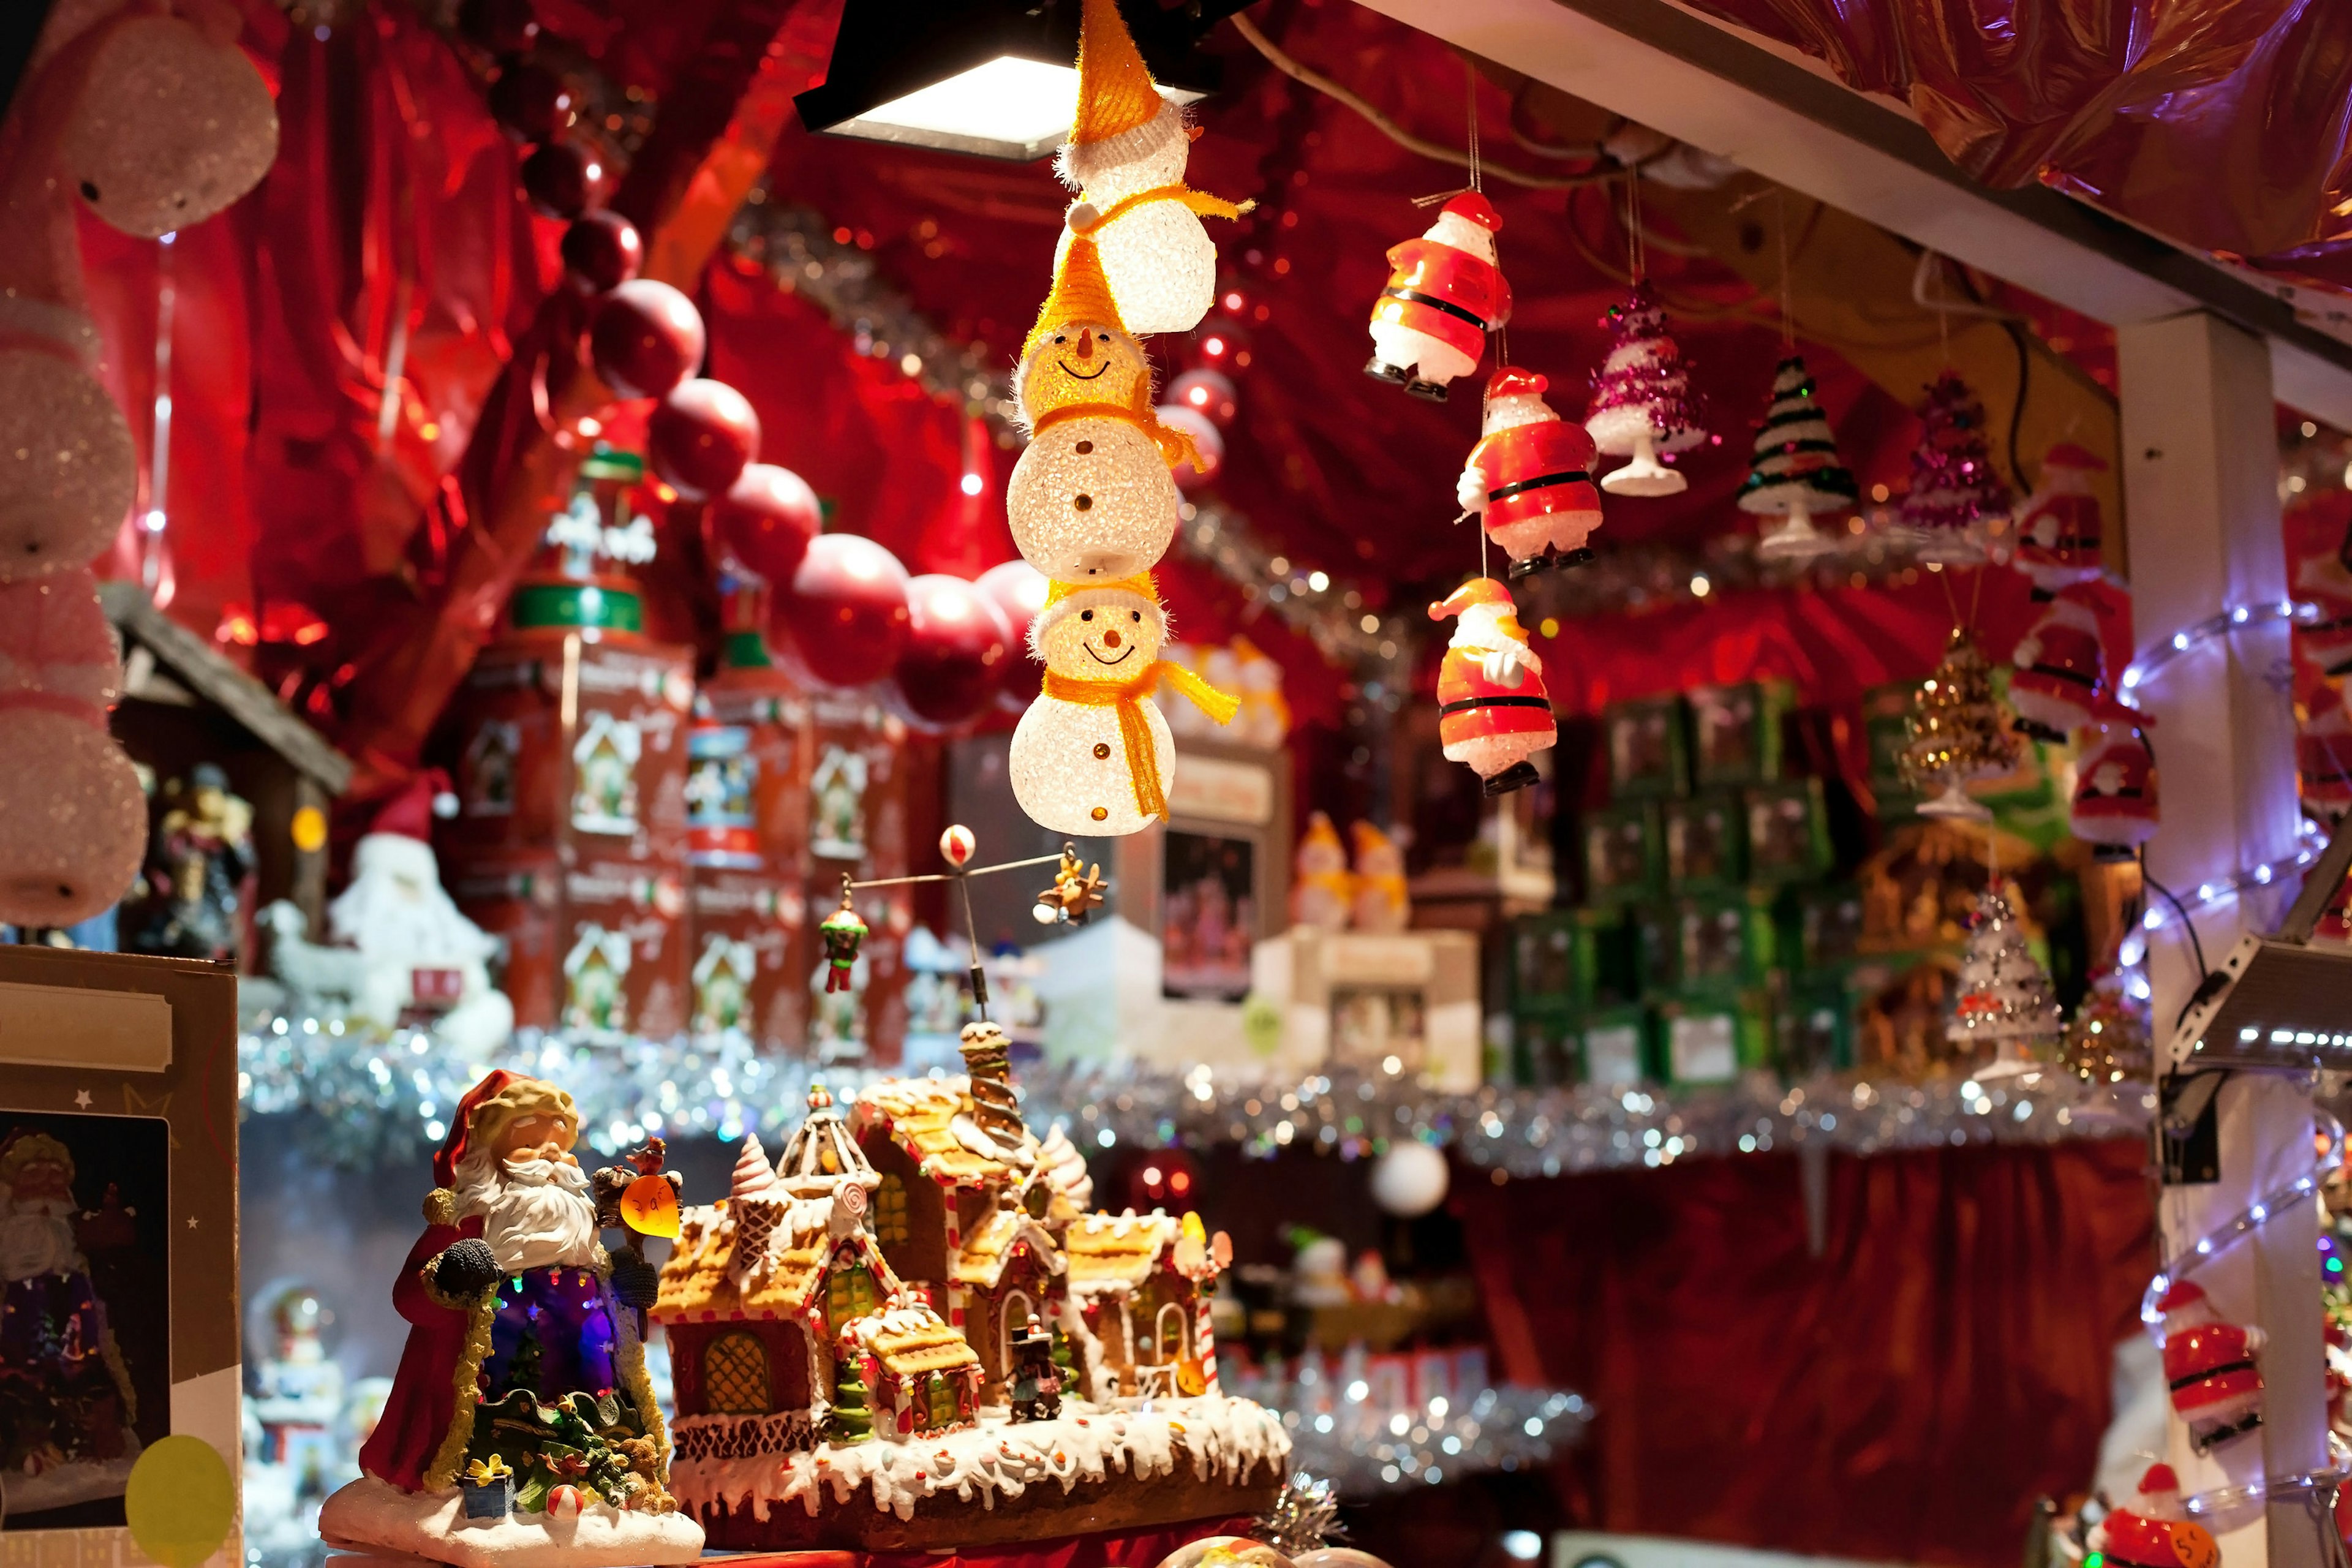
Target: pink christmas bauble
column 68, row 469
column 950, row 670
column 1018, row 589
column 765, row 522
column 1207, row 442
column 561, row 179
column 1208, row 393
column 702, row 436
column 646, row 337
column 530, row 102
column 844, row 619
column 55, row 643
column 168, row 129
column 73, row 820
column 602, row 250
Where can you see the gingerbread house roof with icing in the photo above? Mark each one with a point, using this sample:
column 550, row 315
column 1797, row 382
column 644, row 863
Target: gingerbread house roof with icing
column 1113, row 1253
column 910, row 1340
column 761, row 1252
column 993, row 1243
column 919, row 1114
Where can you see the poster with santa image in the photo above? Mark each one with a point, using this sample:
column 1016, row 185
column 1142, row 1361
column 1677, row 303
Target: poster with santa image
column 85, row 1330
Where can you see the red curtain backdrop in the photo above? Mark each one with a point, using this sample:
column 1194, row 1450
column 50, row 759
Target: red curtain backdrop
column 1903, row 1398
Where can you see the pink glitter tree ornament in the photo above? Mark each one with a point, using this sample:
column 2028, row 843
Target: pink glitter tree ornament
column 1643, row 406
column 1955, row 488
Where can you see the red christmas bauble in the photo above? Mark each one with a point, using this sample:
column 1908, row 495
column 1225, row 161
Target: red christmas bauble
column 529, row 101
column 1161, row 1179
column 602, row 251
column 1018, row 589
column 700, row 436
column 844, row 619
column 765, row 522
column 1208, row 393
column 502, row 26
column 957, row 646
column 646, row 337
column 561, row 179
column 1219, row 341
column 1207, row 443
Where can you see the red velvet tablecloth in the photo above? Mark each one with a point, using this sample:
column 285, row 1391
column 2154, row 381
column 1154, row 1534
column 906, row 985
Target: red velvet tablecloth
column 1106, row 1549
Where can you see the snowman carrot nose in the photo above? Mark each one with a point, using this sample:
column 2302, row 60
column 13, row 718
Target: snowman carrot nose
column 1110, row 637
column 1086, row 345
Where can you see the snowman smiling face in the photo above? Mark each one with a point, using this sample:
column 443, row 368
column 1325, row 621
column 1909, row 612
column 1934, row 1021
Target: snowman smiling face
column 1109, row 636
column 1085, row 361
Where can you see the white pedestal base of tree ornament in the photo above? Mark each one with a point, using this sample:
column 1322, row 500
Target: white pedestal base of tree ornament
column 1643, row 475
column 1956, row 804
column 1794, row 538
column 374, row 1519
column 61, row 1486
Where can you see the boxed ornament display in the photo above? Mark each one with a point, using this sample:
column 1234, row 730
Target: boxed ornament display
column 118, row 1203
column 1710, row 1037
column 1571, row 958
column 1726, row 939
column 1648, row 743
column 1619, row 1045
column 1706, row 842
column 1624, row 853
column 1788, row 832
column 1736, row 732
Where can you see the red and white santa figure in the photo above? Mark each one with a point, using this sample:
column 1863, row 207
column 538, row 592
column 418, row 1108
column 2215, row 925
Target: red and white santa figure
column 2325, row 583
column 2154, row 1530
column 2323, row 753
column 2061, row 671
column 1530, row 478
column 1493, row 712
column 2060, row 527
column 1445, row 294
column 2115, row 803
column 2217, row 1386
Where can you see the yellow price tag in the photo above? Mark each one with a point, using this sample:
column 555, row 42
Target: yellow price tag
column 180, row 1501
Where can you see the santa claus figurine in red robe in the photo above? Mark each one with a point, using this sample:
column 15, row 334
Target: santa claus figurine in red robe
column 2061, row 671
column 1445, row 295
column 1493, row 712
column 522, row 1397
column 2114, row 783
column 2059, row 529
column 2155, row 1530
column 2217, row 1388
column 1530, row 478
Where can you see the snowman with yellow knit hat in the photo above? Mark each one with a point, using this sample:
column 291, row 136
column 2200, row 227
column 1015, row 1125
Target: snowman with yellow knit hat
column 1093, row 753
column 1126, row 156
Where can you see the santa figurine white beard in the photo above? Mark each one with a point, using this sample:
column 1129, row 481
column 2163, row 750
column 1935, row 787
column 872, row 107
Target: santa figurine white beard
column 535, row 1213
column 397, row 914
column 36, row 1237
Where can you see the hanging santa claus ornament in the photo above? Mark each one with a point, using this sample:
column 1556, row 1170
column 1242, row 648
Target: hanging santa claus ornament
column 2217, row 1388
column 2325, row 583
column 1091, row 499
column 2323, row 753
column 1092, row 754
column 2059, row 530
column 1793, row 470
column 2154, row 1530
column 1493, row 712
column 2061, row 671
column 1446, row 293
column 2114, row 783
column 1642, row 407
column 1530, row 478
column 1126, row 156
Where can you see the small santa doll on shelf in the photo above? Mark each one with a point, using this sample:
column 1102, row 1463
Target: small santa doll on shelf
column 2115, row 803
column 1530, row 478
column 2155, row 1530
column 2062, row 671
column 2217, row 1388
column 2059, row 528
column 1446, row 293
column 1493, row 712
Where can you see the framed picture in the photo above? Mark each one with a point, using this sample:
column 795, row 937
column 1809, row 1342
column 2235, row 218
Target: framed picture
column 1214, row 881
column 1209, row 918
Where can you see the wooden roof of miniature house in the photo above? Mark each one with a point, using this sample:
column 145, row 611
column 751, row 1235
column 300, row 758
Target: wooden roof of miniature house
column 995, row 1241
column 1108, row 1254
column 704, row 1280
column 910, row 1340
column 918, row 1115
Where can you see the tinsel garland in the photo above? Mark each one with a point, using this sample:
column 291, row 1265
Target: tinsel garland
column 1366, row 1449
column 1645, row 369
column 368, row 1100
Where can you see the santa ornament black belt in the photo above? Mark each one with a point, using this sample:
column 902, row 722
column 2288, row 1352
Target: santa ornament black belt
column 1415, row 297
column 1541, row 481
column 1470, row 704
column 2225, row 1369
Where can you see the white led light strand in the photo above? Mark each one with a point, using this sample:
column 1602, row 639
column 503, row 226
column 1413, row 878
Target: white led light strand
column 2210, row 628
column 2248, row 1220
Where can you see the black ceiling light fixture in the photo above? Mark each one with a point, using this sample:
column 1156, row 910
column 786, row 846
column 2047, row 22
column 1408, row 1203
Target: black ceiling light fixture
column 992, row 78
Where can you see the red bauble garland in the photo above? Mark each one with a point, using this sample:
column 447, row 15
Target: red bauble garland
column 844, row 620
column 958, row 642
column 1018, row 589
column 561, row 179
column 765, row 520
column 602, row 250
column 645, row 338
column 702, row 436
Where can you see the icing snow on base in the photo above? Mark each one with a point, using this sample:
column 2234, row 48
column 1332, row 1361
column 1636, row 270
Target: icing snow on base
column 81, row 1480
column 1224, row 1438
column 368, row 1513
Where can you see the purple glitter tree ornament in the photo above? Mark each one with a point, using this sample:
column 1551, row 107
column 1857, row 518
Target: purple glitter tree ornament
column 1955, row 488
column 1643, row 406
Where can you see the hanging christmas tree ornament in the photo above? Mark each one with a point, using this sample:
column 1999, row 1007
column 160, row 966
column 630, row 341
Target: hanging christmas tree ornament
column 953, row 664
column 1092, row 754
column 1018, row 591
column 1530, row 478
column 1411, row 1179
column 2003, row 1000
column 1493, row 712
column 2114, row 783
column 1126, row 156
column 1091, row 499
column 645, row 338
column 169, row 125
column 1208, row 459
column 1211, row 394
column 2060, row 532
column 765, row 522
column 1958, row 731
column 2217, row 1386
column 700, row 438
column 1643, row 408
column 601, row 251
column 530, row 103
column 1445, row 294
column 2061, row 671
column 844, row 618
column 1955, row 489
column 841, row 932
column 1793, row 472
column 2107, row 1039
column 2154, row 1530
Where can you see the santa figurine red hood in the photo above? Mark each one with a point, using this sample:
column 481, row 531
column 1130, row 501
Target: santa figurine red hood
column 2059, row 527
column 1493, row 712
column 2114, row 783
column 1530, row 478
column 2061, row 671
column 2155, row 1530
column 1445, row 294
column 2209, row 1365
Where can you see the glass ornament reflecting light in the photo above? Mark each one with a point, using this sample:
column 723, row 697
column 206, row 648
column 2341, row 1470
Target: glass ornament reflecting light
column 1068, row 761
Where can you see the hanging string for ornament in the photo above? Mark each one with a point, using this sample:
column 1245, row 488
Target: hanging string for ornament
column 1788, row 300
column 842, row 930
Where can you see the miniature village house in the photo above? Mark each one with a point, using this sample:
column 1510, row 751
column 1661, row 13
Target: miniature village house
column 1142, row 1283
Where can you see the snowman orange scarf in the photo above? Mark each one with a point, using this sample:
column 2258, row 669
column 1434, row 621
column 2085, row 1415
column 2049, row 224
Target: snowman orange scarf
column 1134, row 730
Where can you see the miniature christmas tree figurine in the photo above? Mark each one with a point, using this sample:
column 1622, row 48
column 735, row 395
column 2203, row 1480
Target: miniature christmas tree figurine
column 1642, row 407
column 1959, row 731
column 2004, row 993
column 1955, row 489
column 852, row 1420
column 842, row 931
column 2107, row 1039
column 1793, row 470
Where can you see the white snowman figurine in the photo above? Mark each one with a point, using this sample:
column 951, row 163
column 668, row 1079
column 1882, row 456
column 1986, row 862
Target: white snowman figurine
column 1092, row 754
column 1091, row 500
